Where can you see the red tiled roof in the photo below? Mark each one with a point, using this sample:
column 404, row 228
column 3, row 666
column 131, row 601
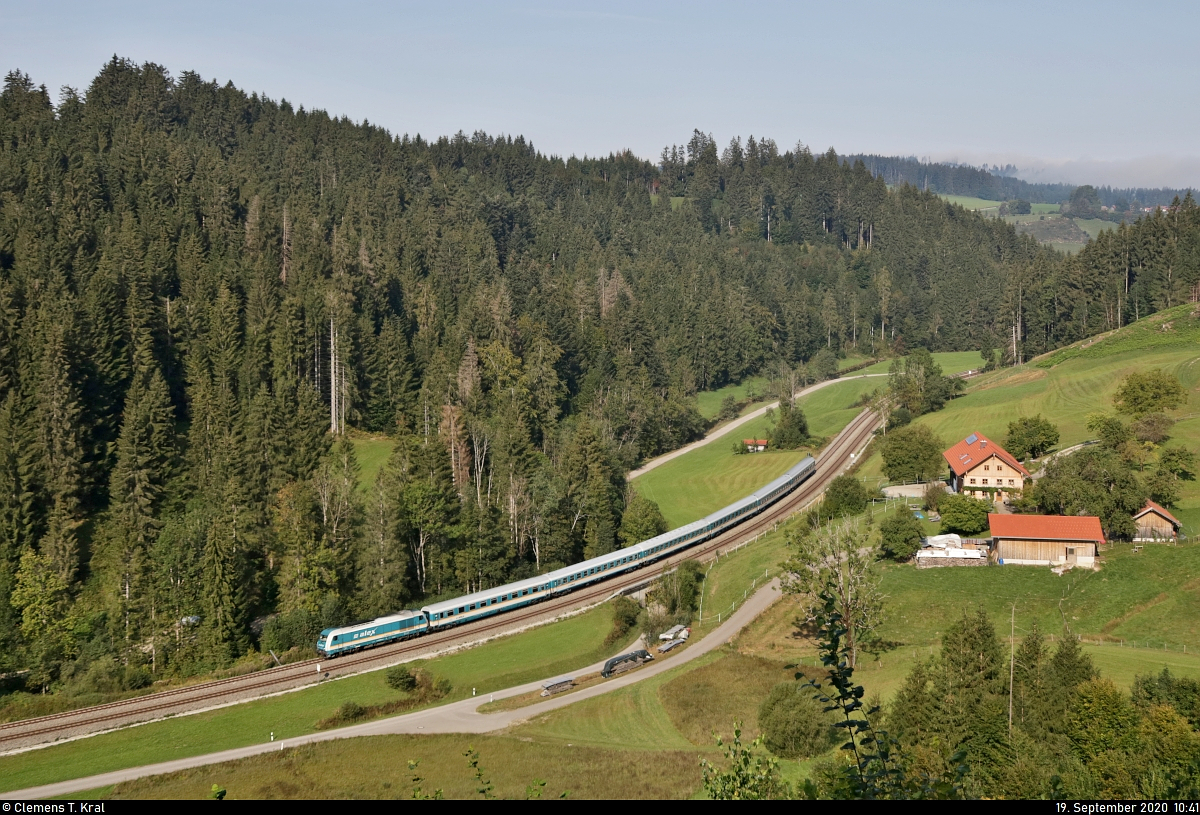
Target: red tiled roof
column 757, row 442
column 1155, row 508
column 976, row 449
column 1047, row 527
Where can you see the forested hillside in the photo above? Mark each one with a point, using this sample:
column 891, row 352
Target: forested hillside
column 204, row 292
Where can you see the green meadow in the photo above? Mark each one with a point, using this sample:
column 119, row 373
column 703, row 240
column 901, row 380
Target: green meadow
column 713, row 476
column 371, row 452
column 709, row 402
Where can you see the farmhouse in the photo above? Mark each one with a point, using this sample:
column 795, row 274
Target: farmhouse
column 1155, row 524
column 983, row 469
column 1046, row 540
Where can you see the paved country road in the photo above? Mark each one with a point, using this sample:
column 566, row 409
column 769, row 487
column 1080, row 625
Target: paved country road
column 736, row 423
column 457, row 717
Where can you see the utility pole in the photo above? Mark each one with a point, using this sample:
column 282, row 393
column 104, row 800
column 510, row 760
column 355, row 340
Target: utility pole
column 1012, row 662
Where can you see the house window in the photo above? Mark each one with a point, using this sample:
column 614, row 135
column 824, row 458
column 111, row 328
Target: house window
column 1010, row 481
column 999, row 468
column 986, row 467
column 972, row 480
column 985, row 482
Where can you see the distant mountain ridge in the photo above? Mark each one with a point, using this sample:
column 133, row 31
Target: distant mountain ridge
column 997, row 185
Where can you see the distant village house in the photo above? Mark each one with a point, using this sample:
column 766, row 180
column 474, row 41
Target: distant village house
column 983, row 469
column 755, row 445
column 1046, row 540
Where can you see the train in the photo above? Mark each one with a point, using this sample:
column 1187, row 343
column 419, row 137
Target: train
column 404, row 625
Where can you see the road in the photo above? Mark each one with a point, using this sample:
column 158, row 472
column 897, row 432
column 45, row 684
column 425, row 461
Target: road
column 457, row 717
column 30, row 733
column 725, row 429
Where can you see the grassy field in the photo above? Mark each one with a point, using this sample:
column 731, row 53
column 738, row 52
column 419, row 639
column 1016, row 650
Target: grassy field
column 977, row 204
column 712, row 476
column 952, row 362
column 709, row 402
column 1093, row 226
column 377, row 768
column 535, row 654
column 1069, row 384
column 372, row 452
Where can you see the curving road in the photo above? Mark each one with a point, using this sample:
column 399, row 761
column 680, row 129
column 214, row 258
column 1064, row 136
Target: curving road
column 16, row 736
column 457, row 717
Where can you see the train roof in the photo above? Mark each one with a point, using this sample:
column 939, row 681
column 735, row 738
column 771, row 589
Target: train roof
column 390, row 618
column 800, row 467
column 520, row 585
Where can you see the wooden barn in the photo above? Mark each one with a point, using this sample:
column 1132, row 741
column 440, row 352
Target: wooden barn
column 1155, row 524
column 1046, row 540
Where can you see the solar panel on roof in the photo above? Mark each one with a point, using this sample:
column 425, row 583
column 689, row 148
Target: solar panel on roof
column 971, row 439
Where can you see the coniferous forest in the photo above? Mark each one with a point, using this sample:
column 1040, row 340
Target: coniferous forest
column 204, row 293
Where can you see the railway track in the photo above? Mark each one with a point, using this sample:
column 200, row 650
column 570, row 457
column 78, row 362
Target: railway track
column 27, row 733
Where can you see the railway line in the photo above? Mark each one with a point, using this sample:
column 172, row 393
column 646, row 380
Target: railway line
column 15, row 736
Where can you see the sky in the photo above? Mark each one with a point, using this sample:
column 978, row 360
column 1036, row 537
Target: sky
column 1097, row 92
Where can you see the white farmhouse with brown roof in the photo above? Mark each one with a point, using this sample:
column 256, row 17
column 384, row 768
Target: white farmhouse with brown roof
column 983, row 469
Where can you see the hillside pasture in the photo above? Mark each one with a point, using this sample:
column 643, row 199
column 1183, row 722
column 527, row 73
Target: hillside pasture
column 1067, row 385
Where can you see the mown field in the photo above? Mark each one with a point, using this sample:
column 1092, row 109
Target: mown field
column 1070, row 383
column 709, row 402
column 952, row 362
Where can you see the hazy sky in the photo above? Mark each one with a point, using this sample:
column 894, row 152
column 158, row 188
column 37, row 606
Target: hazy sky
column 1096, row 91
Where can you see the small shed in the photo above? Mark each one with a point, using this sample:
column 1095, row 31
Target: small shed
column 1155, row 524
column 755, row 445
column 1046, row 540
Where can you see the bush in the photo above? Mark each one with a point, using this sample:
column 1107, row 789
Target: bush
column 792, row 428
column 934, row 493
column 350, row 712
column 1030, row 437
column 824, row 365
column 902, row 535
column 1153, row 427
column 625, row 617
column 641, row 520
column 442, row 688
column 1150, row 391
column 400, row 678
column 965, row 515
column 900, row 417
column 794, row 725
column 729, row 408
column 912, row 453
column 296, row 629
column 137, row 677
column 844, row 497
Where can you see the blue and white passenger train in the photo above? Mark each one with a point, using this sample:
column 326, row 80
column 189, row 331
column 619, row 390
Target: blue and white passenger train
column 405, row 624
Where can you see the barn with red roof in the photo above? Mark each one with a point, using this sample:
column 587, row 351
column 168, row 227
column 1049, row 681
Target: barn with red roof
column 983, row 469
column 1046, row 540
